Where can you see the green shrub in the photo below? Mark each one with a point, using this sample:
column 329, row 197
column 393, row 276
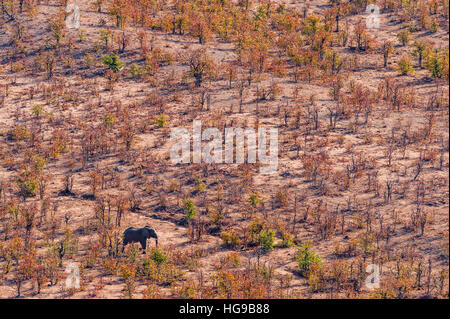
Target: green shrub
column 82, row 35
column 266, row 239
column 37, row 162
column 112, row 62
column 434, row 26
column 230, row 239
column 38, row 110
column 158, row 256
column 404, row 36
column 255, row 228
column 109, row 120
column 288, row 239
column 28, row 184
column 190, row 209
column 136, row 71
column 254, row 199
column 307, row 258
column 421, row 50
column 69, row 243
column 200, row 185
column 404, row 65
column 437, row 64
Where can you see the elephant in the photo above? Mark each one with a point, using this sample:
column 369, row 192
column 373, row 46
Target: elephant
column 133, row 235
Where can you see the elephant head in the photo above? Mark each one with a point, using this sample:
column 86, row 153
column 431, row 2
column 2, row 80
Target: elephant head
column 151, row 233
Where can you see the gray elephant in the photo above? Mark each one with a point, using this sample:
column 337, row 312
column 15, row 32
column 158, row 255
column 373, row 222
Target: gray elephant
column 133, row 235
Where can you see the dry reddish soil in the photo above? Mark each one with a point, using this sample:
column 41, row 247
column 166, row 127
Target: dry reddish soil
column 377, row 228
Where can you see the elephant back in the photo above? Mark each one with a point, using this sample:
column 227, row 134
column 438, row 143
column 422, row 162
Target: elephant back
column 130, row 230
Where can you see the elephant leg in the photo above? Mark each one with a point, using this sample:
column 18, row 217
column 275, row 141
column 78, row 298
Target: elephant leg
column 144, row 245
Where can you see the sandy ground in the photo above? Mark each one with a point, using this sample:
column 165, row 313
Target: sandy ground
column 153, row 144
